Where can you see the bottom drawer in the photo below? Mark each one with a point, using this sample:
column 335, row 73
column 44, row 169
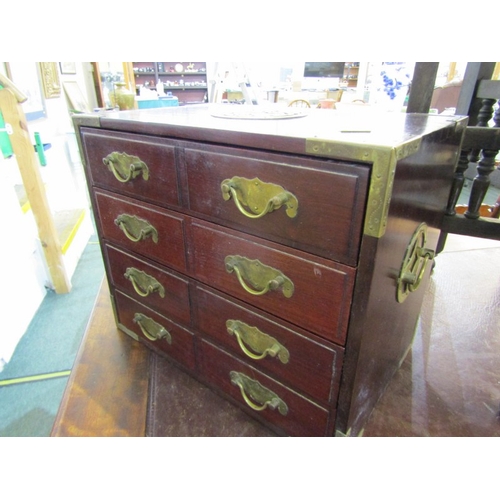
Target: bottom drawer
column 262, row 396
column 155, row 330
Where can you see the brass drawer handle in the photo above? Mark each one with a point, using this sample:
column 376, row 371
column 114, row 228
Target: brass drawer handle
column 259, row 342
column 136, row 229
column 151, row 329
column 414, row 264
column 262, row 278
column 126, row 167
column 259, row 197
column 143, row 283
column 263, row 397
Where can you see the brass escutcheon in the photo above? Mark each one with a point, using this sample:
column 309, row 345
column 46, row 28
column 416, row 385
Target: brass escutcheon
column 151, row 329
column 259, row 198
column 257, row 396
column 126, row 167
column 136, row 229
column 414, row 264
column 143, row 283
column 259, row 342
column 261, row 278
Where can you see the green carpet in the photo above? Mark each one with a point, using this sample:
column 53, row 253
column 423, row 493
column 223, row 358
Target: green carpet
column 33, row 382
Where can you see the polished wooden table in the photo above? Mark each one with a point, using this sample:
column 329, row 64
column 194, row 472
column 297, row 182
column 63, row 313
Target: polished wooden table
column 107, row 391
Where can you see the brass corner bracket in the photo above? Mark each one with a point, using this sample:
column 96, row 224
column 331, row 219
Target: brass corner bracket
column 383, row 160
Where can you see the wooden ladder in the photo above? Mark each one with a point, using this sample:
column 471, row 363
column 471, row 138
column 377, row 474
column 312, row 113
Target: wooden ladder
column 11, row 99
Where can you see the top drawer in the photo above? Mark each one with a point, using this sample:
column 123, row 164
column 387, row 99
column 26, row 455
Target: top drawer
column 136, row 165
column 319, row 204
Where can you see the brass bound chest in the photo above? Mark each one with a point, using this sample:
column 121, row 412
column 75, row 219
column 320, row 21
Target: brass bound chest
column 282, row 262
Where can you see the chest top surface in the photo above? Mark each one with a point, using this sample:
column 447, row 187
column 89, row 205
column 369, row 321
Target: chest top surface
column 243, row 127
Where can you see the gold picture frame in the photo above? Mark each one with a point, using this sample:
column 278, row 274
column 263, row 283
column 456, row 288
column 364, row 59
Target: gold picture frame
column 50, row 79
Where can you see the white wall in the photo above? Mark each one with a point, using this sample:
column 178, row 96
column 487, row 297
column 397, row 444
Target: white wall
column 23, row 268
column 22, row 272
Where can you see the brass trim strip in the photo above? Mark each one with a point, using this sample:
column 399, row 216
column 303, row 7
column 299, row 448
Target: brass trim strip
column 129, row 332
column 84, row 120
column 87, row 120
column 119, row 324
column 383, row 160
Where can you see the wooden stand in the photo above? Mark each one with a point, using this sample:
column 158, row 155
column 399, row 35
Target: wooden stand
column 13, row 114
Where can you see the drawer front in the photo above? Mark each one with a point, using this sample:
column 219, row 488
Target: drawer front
column 135, row 165
column 269, row 345
column 150, row 231
column 157, row 288
column 320, row 208
column 314, row 296
column 266, row 398
column 155, row 330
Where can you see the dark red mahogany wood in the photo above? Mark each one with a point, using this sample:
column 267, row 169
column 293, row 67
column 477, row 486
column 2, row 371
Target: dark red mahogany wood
column 343, row 326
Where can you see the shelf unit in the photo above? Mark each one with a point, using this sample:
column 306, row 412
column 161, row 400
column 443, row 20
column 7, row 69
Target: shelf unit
column 185, row 80
column 351, row 70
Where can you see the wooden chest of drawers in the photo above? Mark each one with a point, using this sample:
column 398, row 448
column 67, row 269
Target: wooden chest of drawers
column 282, row 262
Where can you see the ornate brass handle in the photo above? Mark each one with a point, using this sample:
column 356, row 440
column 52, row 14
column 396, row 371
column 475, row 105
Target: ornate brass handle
column 151, row 329
column 136, row 229
column 143, row 283
column 258, row 341
column 414, row 264
column 259, row 197
column 262, row 397
column 126, row 167
column 262, row 278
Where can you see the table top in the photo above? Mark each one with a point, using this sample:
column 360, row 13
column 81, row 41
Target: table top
column 106, row 394
column 243, row 124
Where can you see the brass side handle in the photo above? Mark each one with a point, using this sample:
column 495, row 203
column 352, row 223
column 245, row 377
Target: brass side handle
column 255, row 198
column 143, row 283
column 126, row 167
column 261, row 278
column 257, row 396
column 260, row 343
column 136, row 229
column 151, row 329
column 415, row 262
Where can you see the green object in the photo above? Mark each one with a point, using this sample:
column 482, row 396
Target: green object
column 39, row 149
column 5, row 145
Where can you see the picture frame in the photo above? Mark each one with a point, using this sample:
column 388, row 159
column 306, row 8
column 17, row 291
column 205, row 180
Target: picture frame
column 26, row 76
column 67, row 68
column 50, row 79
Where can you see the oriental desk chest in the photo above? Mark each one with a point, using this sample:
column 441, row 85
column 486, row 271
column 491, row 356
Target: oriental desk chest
column 278, row 258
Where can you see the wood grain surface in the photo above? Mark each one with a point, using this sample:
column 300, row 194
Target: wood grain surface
column 107, row 390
